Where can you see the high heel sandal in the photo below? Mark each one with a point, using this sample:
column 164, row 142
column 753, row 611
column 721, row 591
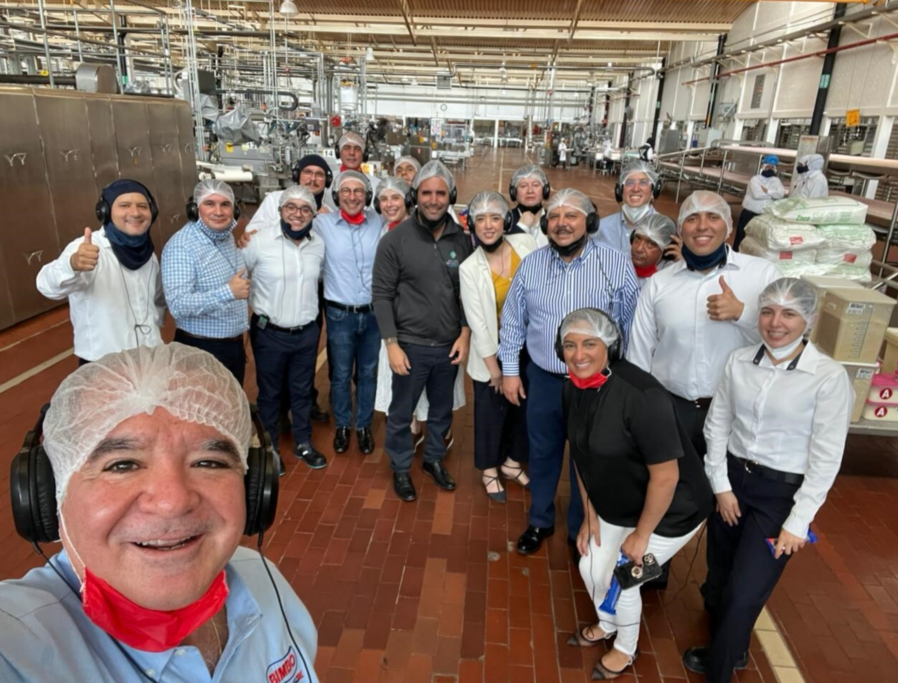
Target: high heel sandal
column 603, row 673
column 580, row 639
column 498, row 496
column 516, row 478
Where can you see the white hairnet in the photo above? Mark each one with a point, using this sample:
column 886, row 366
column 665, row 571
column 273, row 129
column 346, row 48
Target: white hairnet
column 407, row 160
column 814, row 162
column 708, row 202
column 351, row 139
column 639, row 167
column 435, row 169
column 530, row 171
column 572, row 198
column 392, row 185
column 487, row 203
column 343, row 176
column 790, row 292
column 592, row 322
column 656, row 227
column 300, row 192
column 207, row 188
column 187, row 382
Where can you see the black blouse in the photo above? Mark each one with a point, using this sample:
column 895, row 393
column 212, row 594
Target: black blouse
column 616, row 432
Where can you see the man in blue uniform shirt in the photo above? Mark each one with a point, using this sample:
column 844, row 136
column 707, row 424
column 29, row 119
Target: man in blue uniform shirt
column 149, row 449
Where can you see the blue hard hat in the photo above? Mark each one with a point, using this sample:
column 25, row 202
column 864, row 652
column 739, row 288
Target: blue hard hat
column 772, row 160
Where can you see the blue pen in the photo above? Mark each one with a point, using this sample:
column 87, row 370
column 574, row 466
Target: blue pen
column 771, row 542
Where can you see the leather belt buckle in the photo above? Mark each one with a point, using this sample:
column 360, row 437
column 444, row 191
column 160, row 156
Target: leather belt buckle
column 748, row 464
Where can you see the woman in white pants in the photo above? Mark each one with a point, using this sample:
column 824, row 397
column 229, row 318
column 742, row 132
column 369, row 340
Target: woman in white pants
column 644, row 484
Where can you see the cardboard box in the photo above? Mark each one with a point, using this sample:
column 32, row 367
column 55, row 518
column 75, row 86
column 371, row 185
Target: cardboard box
column 853, row 323
column 861, row 376
column 884, row 389
column 823, row 283
column 890, row 355
column 880, row 412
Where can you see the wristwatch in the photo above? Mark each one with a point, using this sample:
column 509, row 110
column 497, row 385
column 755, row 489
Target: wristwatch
column 390, row 340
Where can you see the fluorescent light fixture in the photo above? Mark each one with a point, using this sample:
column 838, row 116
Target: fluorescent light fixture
column 369, row 55
column 288, row 9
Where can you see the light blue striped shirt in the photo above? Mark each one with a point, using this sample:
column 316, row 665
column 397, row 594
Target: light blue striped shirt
column 545, row 289
column 348, row 256
column 615, row 233
column 197, row 264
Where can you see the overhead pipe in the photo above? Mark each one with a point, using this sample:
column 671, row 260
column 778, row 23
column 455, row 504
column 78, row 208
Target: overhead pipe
column 829, row 62
column 659, row 95
column 715, row 72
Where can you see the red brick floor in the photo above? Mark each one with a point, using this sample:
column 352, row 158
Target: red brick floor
column 433, row 591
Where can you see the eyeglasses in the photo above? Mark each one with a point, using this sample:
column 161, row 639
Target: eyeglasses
column 642, row 182
column 301, row 210
column 352, row 192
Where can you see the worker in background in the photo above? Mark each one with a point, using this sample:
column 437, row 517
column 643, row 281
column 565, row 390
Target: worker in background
column 421, row 319
column 635, row 191
column 810, row 181
column 350, row 238
column 205, row 280
column 647, row 151
column 529, row 188
column 351, row 154
column 571, row 273
column 285, row 264
column 562, row 154
column 406, row 168
column 653, row 245
column 763, row 189
column 111, row 276
column 607, row 154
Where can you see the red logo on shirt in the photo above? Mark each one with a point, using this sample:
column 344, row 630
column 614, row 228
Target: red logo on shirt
column 284, row 670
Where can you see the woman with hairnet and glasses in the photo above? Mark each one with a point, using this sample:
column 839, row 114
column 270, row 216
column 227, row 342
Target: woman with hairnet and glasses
column 653, row 244
column 776, row 432
column 390, row 203
column 642, row 482
column 763, row 189
column 500, row 428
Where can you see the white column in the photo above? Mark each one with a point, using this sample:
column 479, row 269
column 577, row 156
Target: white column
column 496, row 135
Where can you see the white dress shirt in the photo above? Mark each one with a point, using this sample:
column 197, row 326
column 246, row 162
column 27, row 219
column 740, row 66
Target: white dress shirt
column 112, row 308
column 535, row 231
column 788, row 420
column 756, row 198
column 478, row 294
column 284, row 277
column 675, row 340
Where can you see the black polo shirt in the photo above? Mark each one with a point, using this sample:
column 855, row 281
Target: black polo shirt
column 616, row 432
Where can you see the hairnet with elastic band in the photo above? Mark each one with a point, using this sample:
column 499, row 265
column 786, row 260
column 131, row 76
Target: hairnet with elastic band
column 487, row 203
column 210, row 187
column 815, row 162
column 529, row 171
column 351, row 139
column 591, row 322
column 790, row 292
column 435, row 169
column 185, row 381
column 705, row 201
column 572, row 198
column 407, row 160
column 343, row 176
column 397, row 185
column 300, row 193
column 656, row 227
column 639, row 167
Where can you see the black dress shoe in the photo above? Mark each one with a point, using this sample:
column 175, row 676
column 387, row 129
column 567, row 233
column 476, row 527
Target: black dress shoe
column 696, row 659
column 366, row 441
column 281, row 469
column 312, row 458
column 438, row 473
column 341, row 440
column 316, row 414
column 403, row 486
column 532, row 539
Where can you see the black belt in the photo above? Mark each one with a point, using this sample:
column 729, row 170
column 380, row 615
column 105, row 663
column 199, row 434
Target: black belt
column 239, row 337
column 276, row 328
column 700, row 403
column 365, row 308
column 752, row 467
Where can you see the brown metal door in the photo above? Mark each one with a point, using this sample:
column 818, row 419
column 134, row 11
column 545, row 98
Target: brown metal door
column 132, row 141
column 165, row 146
column 188, row 149
column 102, row 140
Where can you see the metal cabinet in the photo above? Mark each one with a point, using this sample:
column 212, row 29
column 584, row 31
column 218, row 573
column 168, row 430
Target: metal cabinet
column 165, row 143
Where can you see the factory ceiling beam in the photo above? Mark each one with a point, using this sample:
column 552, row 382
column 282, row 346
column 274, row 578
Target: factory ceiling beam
column 408, row 19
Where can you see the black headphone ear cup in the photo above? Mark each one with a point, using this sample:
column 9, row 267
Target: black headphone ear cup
column 656, row 189
column 369, row 195
column 296, row 173
column 260, row 481
column 508, row 223
column 453, row 196
column 377, row 205
column 411, row 199
column 618, row 192
column 45, row 511
column 512, row 191
column 409, row 205
column 336, row 197
column 337, row 150
column 192, row 210
column 592, row 223
column 252, row 484
column 365, row 156
column 102, row 211
column 544, row 223
column 236, row 211
column 328, row 178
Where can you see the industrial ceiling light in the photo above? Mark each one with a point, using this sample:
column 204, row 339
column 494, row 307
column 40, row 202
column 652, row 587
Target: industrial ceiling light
column 369, row 55
column 288, row 9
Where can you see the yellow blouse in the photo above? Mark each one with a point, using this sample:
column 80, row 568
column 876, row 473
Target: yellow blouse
column 503, row 284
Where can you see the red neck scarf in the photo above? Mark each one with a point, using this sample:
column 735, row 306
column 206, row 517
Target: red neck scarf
column 148, row 629
column 392, row 225
column 343, row 167
column 645, row 271
column 593, row 382
column 358, row 219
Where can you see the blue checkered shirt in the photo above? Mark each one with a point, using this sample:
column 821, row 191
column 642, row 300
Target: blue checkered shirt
column 197, row 264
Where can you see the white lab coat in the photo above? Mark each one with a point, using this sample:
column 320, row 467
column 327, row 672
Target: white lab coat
column 810, row 185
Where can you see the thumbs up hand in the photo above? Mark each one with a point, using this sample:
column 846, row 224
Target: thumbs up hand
column 87, row 256
column 240, row 285
column 725, row 306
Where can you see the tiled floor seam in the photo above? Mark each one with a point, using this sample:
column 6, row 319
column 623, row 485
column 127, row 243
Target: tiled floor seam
column 777, row 650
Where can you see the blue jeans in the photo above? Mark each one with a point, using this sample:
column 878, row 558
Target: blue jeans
column 354, row 340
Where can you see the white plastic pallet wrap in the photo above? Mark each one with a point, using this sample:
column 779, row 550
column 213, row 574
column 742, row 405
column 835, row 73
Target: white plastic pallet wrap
column 751, row 247
column 822, row 211
column 776, row 234
column 863, row 259
column 855, row 238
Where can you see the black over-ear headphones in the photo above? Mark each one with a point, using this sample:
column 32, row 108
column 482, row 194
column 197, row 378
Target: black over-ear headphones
column 614, row 351
column 364, row 153
column 33, row 486
column 335, row 195
column 328, row 174
column 619, row 190
column 193, row 211
column 513, row 190
column 407, row 199
column 592, row 222
column 104, row 211
column 412, row 196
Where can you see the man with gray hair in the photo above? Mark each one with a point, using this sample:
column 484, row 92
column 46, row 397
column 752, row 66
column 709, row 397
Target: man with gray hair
column 572, row 272
column 285, row 264
column 635, row 192
column 143, row 476
column 351, row 155
column 529, row 188
column 350, row 237
column 204, row 278
column 417, row 297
